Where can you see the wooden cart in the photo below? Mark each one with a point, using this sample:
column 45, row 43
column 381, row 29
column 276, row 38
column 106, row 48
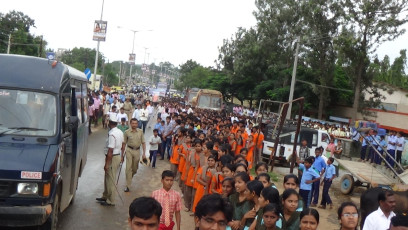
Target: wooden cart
column 365, row 175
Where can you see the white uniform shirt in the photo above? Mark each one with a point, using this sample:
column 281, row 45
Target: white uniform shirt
column 400, row 141
column 156, row 141
column 150, row 109
column 164, row 115
column 112, row 115
column 136, row 114
column 120, row 115
column 190, row 110
column 143, row 113
column 115, row 140
column 391, row 139
column 377, row 220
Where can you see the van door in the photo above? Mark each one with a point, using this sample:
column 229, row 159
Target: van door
column 68, row 143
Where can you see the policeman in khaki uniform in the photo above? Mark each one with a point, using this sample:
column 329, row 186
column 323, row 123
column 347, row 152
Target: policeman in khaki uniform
column 114, row 145
column 128, row 107
column 133, row 139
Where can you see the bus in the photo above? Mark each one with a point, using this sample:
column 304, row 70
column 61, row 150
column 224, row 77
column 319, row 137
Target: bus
column 43, row 139
column 208, row 99
column 191, row 93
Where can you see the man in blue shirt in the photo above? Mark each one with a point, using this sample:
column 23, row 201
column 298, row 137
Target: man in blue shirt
column 308, row 178
column 327, row 181
column 319, row 165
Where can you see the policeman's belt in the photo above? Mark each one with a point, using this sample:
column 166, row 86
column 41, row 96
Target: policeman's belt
column 134, row 148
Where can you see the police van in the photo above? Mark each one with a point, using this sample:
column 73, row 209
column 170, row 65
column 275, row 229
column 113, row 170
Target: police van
column 314, row 137
column 43, row 139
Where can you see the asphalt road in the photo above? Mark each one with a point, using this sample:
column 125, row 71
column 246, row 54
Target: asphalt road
column 86, row 213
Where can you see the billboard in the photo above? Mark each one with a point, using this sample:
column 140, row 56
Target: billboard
column 132, row 58
column 99, row 30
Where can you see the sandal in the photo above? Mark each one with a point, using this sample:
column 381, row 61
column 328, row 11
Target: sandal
column 322, row 206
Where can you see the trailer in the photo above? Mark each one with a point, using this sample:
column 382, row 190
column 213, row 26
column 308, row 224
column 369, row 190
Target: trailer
column 369, row 175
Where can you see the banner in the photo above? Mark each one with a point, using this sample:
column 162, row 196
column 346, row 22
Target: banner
column 132, row 58
column 99, row 31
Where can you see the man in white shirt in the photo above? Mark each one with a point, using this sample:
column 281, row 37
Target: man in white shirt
column 113, row 114
column 400, row 143
column 121, row 115
column 136, row 115
column 113, row 151
column 165, row 114
column 381, row 218
column 144, row 115
column 392, row 141
column 154, row 142
column 189, row 109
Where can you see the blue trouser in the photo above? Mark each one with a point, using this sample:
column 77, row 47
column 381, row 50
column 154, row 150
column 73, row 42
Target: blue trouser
column 144, row 124
column 152, row 157
column 305, row 194
column 315, row 191
column 363, row 152
column 377, row 158
column 371, row 153
column 391, row 161
column 325, row 193
column 166, row 143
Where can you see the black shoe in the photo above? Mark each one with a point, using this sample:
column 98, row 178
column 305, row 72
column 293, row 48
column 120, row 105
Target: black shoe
column 104, row 203
column 101, row 199
column 126, row 189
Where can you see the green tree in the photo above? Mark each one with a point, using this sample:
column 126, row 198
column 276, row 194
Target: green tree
column 82, row 58
column 16, row 26
column 366, row 24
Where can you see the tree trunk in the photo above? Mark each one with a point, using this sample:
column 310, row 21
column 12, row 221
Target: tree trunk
column 357, row 92
column 321, row 104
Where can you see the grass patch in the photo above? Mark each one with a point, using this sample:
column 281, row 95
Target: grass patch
column 274, row 176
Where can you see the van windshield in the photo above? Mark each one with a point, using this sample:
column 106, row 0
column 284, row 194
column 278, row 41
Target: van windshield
column 27, row 113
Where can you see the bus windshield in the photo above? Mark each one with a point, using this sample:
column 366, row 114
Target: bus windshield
column 27, row 113
column 209, row 102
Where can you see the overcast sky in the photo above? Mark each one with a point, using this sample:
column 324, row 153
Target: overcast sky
column 182, row 29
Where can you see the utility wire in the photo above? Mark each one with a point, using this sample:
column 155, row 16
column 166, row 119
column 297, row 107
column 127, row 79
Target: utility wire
column 322, row 86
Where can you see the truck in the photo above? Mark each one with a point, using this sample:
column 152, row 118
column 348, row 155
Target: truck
column 43, row 139
column 314, row 137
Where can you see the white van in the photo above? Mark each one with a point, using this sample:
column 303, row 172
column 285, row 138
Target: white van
column 315, row 138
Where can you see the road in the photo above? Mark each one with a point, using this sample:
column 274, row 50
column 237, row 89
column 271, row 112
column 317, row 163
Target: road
column 86, row 213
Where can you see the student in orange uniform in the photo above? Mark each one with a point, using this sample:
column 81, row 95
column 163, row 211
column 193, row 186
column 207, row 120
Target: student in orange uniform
column 174, row 159
column 250, row 145
column 194, row 164
column 183, row 154
column 216, row 181
column 203, row 178
column 240, row 142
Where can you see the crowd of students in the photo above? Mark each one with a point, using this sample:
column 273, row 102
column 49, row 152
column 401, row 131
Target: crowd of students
column 212, row 155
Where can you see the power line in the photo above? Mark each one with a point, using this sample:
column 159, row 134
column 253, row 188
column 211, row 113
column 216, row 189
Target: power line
column 323, row 86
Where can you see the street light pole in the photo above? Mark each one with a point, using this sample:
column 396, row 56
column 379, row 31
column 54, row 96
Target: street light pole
column 97, row 53
column 9, row 44
column 292, row 84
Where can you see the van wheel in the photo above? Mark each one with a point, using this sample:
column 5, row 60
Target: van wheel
column 52, row 221
column 347, row 184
